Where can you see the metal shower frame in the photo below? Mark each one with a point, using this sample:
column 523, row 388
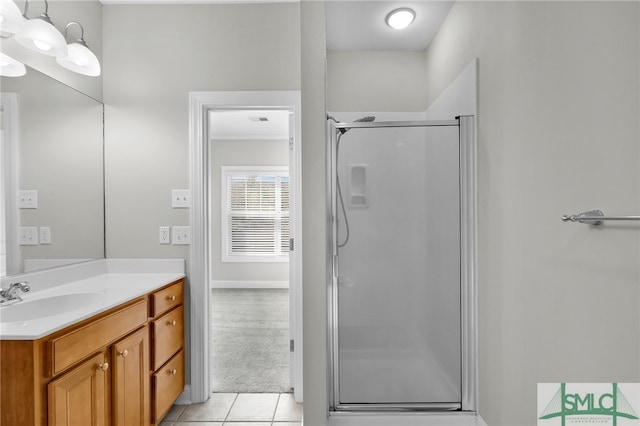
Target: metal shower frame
column 468, row 268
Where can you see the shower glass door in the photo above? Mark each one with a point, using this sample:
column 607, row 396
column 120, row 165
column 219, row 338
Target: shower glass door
column 397, row 339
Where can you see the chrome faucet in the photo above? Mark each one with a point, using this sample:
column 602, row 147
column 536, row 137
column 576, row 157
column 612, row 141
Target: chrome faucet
column 10, row 295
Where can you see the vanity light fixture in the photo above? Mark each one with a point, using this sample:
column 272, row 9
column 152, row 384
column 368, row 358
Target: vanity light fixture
column 39, row 34
column 400, row 19
column 11, row 20
column 10, row 67
column 79, row 58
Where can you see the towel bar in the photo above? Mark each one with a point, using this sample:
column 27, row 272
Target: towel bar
column 595, row 217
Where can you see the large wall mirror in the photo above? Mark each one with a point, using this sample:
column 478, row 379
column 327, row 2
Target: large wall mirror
column 52, row 161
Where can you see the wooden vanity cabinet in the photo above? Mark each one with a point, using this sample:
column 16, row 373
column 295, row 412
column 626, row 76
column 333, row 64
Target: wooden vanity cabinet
column 167, row 340
column 98, row 372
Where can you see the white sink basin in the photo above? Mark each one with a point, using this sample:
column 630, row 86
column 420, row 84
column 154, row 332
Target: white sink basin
column 49, row 306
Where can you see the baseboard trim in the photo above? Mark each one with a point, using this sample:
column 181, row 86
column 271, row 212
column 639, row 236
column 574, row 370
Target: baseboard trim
column 249, row 284
column 185, row 396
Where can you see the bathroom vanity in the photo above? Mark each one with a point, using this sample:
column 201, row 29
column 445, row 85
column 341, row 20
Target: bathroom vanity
column 117, row 359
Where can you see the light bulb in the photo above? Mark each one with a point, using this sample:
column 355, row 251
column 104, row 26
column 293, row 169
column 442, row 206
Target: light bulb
column 80, row 59
column 42, row 45
column 11, row 20
column 400, row 19
column 10, row 67
column 40, row 35
column 81, row 62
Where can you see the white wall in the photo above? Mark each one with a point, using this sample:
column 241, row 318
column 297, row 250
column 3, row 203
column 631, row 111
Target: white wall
column 376, row 80
column 314, row 211
column 459, row 98
column 242, row 153
column 154, row 55
column 148, row 74
column 558, row 133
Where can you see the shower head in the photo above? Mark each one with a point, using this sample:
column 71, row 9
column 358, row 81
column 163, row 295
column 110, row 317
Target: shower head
column 332, row 118
column 366, row 119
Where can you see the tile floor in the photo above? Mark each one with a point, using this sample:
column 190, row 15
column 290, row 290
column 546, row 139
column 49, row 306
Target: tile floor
column 238, row 409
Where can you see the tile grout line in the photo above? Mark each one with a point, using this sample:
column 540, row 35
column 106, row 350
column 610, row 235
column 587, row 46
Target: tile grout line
column 231, row 407
column 173, row 422
column 275, row 410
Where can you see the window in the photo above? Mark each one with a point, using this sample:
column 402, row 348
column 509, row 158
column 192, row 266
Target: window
column 255, row 214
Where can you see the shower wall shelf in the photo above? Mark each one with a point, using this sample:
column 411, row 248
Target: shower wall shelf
column 595, row 217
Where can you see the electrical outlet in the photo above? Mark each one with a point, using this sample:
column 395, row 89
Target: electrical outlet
column 181, row 235
column 180, row 198
column 28, row 199
column 165, row 235
column 45, row 235
column 28, row 236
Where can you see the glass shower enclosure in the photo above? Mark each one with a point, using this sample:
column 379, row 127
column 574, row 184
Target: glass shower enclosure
column 402, row 301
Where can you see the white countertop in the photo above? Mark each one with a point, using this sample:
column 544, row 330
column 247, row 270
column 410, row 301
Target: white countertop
column 115, row 285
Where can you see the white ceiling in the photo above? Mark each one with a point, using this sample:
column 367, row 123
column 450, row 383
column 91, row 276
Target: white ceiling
column 360, row 24
column 149, row 2
column 249, row 125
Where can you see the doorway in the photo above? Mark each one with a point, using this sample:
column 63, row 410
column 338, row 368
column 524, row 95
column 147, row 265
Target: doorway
column 202, row 105
column 250, row 241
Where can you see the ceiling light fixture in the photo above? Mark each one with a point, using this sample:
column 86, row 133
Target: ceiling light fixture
column 79, row 58
column 10, row 67
column 400, row 19
column 39, row 34
column 11, row 20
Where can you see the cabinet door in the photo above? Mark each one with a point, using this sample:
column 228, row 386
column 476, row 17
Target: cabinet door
column 80, row 396
column 131, row 395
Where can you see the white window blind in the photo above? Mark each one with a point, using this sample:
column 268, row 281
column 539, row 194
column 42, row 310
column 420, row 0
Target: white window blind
column 255, row 214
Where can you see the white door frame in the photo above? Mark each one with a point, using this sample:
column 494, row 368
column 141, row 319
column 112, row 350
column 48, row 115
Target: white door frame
column 10, row 137
column 200, row 103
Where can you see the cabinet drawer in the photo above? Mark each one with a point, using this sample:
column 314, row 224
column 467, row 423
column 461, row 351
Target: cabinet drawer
column 167, row 332
column 69, row 348
column 168, row 383
column 166, row 299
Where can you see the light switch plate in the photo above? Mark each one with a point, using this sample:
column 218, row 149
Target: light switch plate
column 28, row 199
column 181, row 235
column 28, row 235
column 180, row 198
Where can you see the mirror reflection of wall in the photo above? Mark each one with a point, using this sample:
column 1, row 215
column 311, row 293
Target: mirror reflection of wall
column 52, row 174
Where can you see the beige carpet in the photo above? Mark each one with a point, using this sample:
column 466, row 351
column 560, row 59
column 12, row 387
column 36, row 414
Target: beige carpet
column 250, row 340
